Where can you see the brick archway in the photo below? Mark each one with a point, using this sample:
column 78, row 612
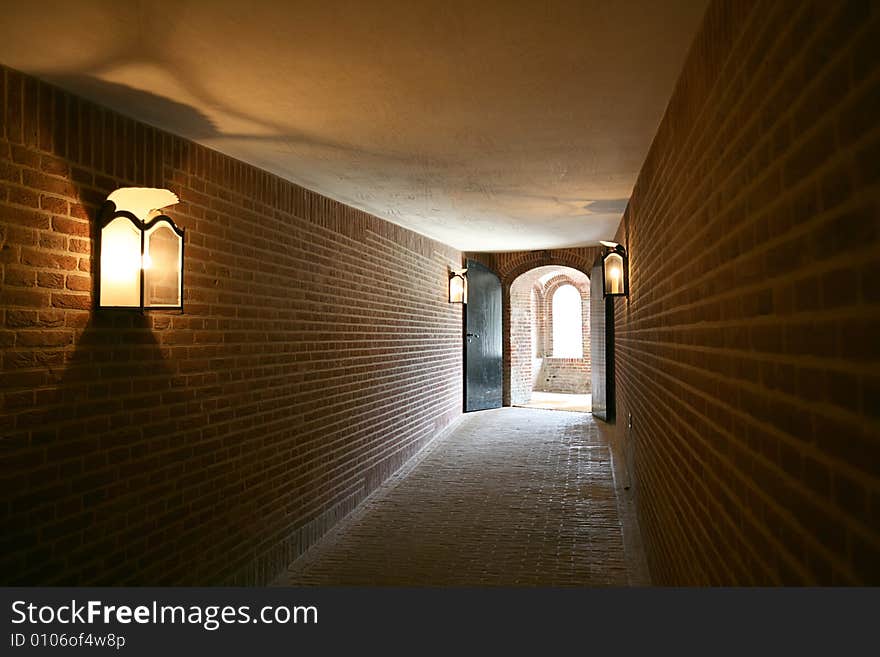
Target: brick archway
column 527, row 331
column 509, row 266
column 517, row 268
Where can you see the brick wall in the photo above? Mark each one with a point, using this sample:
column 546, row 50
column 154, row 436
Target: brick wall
column 748, row 351
column 525, row 335
column 316, row 354
column 569, row 376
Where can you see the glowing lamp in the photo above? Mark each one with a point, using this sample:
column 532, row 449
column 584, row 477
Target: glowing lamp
column 140, row 251
column 458, row 286
column 615, row 270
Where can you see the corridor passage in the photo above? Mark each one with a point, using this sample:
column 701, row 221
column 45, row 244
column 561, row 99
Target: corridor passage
column 513, row 496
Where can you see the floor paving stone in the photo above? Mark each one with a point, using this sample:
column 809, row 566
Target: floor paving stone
column 512, row 496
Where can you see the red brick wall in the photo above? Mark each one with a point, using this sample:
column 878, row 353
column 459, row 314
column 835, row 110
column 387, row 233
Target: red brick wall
column 316, row 354
column 569, row 376
column 525, row 336
column 748, row 351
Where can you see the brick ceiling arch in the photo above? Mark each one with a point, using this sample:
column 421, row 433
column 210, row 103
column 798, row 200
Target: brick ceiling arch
column 510, row 266
column 561, row 275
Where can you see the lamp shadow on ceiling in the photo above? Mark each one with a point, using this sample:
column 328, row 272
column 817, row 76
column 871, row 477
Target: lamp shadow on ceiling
column 308, row 160
column 193, row 124
column 141, row 105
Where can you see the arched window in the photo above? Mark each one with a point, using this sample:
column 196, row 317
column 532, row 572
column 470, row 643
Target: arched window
column 568, row 329
column 533, row 320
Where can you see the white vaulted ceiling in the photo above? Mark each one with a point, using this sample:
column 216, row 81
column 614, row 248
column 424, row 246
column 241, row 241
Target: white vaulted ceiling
column 489, row 125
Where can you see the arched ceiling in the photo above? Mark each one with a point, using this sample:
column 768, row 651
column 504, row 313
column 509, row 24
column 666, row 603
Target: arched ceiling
column 490, row 126
column 544, row 274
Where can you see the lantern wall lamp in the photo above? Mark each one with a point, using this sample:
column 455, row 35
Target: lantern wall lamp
column 458, row 286
column 615, row 270
column 140, row 251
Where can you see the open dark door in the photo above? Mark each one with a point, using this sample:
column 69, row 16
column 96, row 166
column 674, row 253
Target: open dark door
column 482, row 341
column 601, row 346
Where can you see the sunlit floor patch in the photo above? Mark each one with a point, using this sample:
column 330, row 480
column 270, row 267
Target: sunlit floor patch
column 560, row 402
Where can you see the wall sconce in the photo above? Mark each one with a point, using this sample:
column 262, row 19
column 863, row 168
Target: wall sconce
column 615, row 268
column 140, row 251
column 458, row 286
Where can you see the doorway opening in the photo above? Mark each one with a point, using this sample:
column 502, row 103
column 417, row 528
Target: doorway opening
column 550, row 339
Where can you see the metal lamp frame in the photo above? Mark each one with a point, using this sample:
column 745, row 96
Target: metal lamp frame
column 461, row 274
column 109, row 213
column 620, row 251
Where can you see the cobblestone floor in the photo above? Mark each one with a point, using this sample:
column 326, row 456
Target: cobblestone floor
column 513, row 496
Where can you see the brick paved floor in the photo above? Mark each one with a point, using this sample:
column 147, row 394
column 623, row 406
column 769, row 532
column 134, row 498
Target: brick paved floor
column 514, row 496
